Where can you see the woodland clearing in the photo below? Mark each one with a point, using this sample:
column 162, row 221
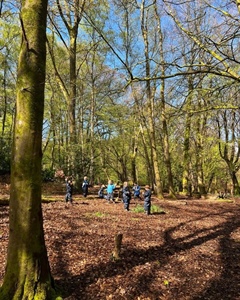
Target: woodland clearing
column 187, row 249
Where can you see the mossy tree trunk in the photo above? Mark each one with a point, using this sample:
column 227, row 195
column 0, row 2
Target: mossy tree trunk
column 229, row 144
column 28, row 273
column 186, row 182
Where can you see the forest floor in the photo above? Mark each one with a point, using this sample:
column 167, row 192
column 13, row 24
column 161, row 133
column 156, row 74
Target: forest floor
column 187, row 249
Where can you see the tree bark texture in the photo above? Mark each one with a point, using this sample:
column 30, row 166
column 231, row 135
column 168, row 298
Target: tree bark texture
column 186, row 146
column 150, row 108
column 117, row 249
column 27, row 272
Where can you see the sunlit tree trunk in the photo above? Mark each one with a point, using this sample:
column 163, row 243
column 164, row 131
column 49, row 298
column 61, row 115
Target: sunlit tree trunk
column 92, row 143
column 134, row 155
column 238, row 5
column 229, row 145
column 166, row 146
column 93, row 74
column 186, row 156
column 27, row 271
column 72, row 22
column 147, row 156
column 186, row 183
column 200, row 130
column 4, row 111
column 71, row 19
column 150, row 107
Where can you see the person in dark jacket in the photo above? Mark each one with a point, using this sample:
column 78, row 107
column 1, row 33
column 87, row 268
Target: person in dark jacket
column 147, row 199
column 101, row 192
column 85, row 185
column 136, row 191
column 69, row 187
column 126, row 195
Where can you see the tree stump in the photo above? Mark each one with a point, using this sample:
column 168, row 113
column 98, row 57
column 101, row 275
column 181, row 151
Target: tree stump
column 117, row 246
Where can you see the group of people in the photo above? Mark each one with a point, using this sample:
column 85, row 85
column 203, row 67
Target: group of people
column 69, row 188
column 127, row 194
column 109, row 195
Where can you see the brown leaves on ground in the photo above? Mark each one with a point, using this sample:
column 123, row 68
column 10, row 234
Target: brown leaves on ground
column 190, row 252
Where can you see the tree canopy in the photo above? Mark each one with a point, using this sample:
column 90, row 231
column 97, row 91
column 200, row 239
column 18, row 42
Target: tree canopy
column 135, row 90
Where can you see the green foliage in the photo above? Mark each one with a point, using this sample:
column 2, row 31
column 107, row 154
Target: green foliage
column 4, row 156
column 107, row 134
column 48, row 175
column 157, row 209
column 97, row 214
column 154, row 209
column 138, row 209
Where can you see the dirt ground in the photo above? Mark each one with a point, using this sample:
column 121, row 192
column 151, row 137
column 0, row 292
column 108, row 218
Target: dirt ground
column 185, row 250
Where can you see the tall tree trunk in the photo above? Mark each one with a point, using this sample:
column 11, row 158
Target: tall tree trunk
column 238, row 5
column 71, row 20
column 236, row 187
column 5, row 98
column 229, row 145
column 166, row 146
column 201, row 124
column 135, row 136
column 28, row 273
column 92, row 109
column 186, row 156
column 186, row 147
column 147, row 157
column 134, row 156
column 150, row 107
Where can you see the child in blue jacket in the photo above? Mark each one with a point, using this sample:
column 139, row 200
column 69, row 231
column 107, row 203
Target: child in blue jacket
column 136, row 191
column 110, row 191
